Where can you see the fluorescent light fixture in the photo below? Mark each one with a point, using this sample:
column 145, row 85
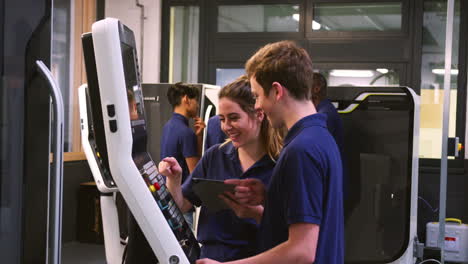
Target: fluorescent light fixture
column 442, row 71
column 352, row 73
column 296, row 17
column 316, row 25
column 382, row 70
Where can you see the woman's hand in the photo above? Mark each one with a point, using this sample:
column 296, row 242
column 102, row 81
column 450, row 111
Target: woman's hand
column 170, row 168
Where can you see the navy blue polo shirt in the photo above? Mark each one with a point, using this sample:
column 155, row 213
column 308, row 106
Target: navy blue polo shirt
column 306, row 187
column 334, row 123
column 223, row 235
column 179, row 141
column 335, row 127
column 214, row 134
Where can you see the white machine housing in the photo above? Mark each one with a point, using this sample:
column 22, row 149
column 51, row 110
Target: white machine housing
column 110, row 220
column 138, row 197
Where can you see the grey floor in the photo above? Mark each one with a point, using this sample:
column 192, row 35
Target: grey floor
column 79, row 253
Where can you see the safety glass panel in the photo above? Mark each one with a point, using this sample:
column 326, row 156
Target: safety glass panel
column 225, row 76
column 61, row 67
column 183, row 44
column 258, row 18
column 432, row 77
column 357, row 17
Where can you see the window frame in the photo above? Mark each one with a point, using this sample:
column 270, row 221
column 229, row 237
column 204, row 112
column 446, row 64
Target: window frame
column 408, row 53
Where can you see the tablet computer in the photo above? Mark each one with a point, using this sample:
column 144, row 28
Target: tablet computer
column 209, row 190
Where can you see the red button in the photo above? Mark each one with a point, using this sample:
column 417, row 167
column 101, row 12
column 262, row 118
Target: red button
column 156, row 185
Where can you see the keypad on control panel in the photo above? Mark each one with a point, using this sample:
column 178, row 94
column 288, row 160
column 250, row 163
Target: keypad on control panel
column 164, row 200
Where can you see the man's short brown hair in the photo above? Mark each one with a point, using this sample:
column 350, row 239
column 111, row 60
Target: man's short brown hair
column 283, row 62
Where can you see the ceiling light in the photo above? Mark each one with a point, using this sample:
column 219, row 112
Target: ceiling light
column 316, row 25
column 442, row 71
column 382, row 70
column 352, row 73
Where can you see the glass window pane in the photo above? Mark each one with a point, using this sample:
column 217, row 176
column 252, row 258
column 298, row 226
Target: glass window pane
column 357, row 17
column 225, row 76
column 361, row 77
column 258, row 18
column 183, row 46
column 432, row 77
column 60, row 64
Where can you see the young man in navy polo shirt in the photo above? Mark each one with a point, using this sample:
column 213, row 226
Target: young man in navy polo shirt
column 303, row 217
column 178, row 139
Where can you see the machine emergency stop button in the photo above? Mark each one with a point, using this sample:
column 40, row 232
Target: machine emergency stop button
column 156, row 186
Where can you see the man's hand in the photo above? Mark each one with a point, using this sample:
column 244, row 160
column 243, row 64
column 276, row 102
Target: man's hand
column 243, row 210
column 198, row 126
column 207, row 261
column 170, row 168
column 248, row 191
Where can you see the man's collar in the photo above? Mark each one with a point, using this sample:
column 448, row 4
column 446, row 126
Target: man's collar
column 308, row 121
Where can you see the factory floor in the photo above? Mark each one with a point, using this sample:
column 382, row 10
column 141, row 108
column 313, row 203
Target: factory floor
column 79, row 253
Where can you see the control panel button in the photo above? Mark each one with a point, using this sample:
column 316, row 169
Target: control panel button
column 113, row 126
column 111, row 110
column 157, row 186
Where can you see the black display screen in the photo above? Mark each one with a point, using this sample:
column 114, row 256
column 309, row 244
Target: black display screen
column 135, row 98
column 378, row 139
column 96, row 138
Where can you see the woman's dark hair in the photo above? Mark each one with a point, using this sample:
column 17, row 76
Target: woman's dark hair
column 179, row 90
column 239, row 91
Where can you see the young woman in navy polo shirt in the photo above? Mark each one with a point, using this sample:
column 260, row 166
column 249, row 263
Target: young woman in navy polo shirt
column 303, row 218
column 249, row 152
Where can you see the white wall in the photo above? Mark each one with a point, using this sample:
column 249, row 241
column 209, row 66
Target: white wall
column 129, row 13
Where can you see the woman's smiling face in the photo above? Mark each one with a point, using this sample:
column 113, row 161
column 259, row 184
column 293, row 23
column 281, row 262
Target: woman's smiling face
column 238, row 125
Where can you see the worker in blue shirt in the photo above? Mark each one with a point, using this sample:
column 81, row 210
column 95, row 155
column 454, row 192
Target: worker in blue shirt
column 214, row 133
column 248, row 153
column 334, row 122
column 323, row 105
column 178, row 140
column 303, row 214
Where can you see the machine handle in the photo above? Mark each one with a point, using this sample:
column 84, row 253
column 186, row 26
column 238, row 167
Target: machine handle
column 56, row 177
column 456, row 220
column 205, row 133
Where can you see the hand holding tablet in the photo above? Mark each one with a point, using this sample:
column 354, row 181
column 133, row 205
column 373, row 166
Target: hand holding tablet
column 209, row 191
